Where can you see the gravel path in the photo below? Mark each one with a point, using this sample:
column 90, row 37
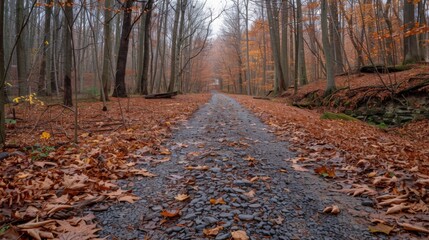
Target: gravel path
column 236, row 147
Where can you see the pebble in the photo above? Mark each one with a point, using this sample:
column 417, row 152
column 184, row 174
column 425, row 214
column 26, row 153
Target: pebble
column 245, row 217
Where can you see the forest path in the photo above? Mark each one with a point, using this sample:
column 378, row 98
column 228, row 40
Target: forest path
column 237, row 149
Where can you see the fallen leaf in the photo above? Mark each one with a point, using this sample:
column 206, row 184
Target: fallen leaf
column 414, row 228
column 212, row 231
column 397, row 208
column 325, row 171
column 168, row 214
column 202, row 168
column 217, row 201
column 299, row 168
column 181, row 197
column 334, row 209
column 250, row 194
column 380, row 227
column 128, row 198
column 239, row 235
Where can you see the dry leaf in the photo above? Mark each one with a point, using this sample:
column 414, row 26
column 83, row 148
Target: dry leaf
column 202, row 168
column 169, row 214
column 213, row 231
column 299, row 168
column 397, row 208
column 414, row 228
column 239, row 235
column 334, row 209
column 372, row 174
column 380, row 227
column 217, row 201
column 181, row 197
column 325, row 171
column 250, row 194
column 128, row 198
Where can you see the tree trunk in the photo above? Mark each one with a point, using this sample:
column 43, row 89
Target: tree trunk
column 330, row 86
column 275, row 47
column 68, row 52
column 335, row 38
column 174, row 49
column 41, row 89
column 107, row 66
column 145, row 70
column 2, row 80
column 411, row 53
column 284, row 46
column 302, row 71
column 21, row 55
column 120, row 89
column 247, row 48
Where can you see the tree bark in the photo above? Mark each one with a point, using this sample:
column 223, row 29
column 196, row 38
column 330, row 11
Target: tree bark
column 247, row 49
column 2, row 79
column 284, row 46
column 330, row 86
column 120, row 88
column 68, row 52
column 174, row 49
column 302, row 71
column 21, row 55
column 411, row 53
column 145, row 70
column 275, row 47
column 107, row 67
column 335, row 38
column 41, row 89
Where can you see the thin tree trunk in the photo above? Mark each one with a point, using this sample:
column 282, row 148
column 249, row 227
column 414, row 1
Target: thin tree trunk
column 302, row 71
column 2, row 79
column 335, row 38
column 105, row 75
column 284, row 47
column 330, row 86
column 174, row 49
column 411, row 53
column 120, row 89
column 68, row 51
column 247, row 48
column 41, row 87
column 145, row 73
column 21, row 54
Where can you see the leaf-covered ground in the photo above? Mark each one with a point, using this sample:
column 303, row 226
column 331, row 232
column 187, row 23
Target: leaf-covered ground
column 391, row 167
column 47, row 181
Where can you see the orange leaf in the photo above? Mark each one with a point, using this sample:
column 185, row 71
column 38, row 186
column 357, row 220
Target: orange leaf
column 217, row 201
column 325, row 171
column 213, row 231
column 382, row 228
column 239, row 235
column 181, row 197
column 168, row 214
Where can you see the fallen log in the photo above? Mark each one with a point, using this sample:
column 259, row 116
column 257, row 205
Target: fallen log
column 161, row 95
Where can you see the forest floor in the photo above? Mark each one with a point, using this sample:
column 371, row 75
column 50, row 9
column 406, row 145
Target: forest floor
column 141, row 170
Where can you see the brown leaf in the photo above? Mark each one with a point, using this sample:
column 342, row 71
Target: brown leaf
column 202, row 168
column 33, row 224
column 397, row 208
column 380, row 227
column 299, row 168
column 169, row 214
column 250, row 194
column 212, row 231
column 128, row 198
column 181, row 197
column 414, row 228
column 217, row 201
column 325, row 171
column 334, row 209
column 239, row 235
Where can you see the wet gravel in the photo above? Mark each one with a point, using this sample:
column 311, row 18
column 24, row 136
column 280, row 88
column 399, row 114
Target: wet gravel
column 241, row 154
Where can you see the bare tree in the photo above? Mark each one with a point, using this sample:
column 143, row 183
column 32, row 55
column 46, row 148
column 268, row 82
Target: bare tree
column 327, row 47
column 21, row 54
column 41, row 87
column 2, row 79
column 68, row 52
column 146, row 43
column 119, row 88
column 107, row 55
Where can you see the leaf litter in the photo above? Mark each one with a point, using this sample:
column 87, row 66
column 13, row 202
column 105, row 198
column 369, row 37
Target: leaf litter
column 365, row 161
column 47, row 180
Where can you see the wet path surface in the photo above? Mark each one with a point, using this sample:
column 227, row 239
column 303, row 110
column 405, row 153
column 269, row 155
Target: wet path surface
column 246, row 165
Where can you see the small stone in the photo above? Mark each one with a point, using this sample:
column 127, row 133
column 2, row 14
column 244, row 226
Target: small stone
column 210, row 220
column 367, row 203
column 223, row 236
column 174, row 229
column 245, row 217
column 242, row 183
column 190, row 216
column 255, row 205
column 226, row 215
